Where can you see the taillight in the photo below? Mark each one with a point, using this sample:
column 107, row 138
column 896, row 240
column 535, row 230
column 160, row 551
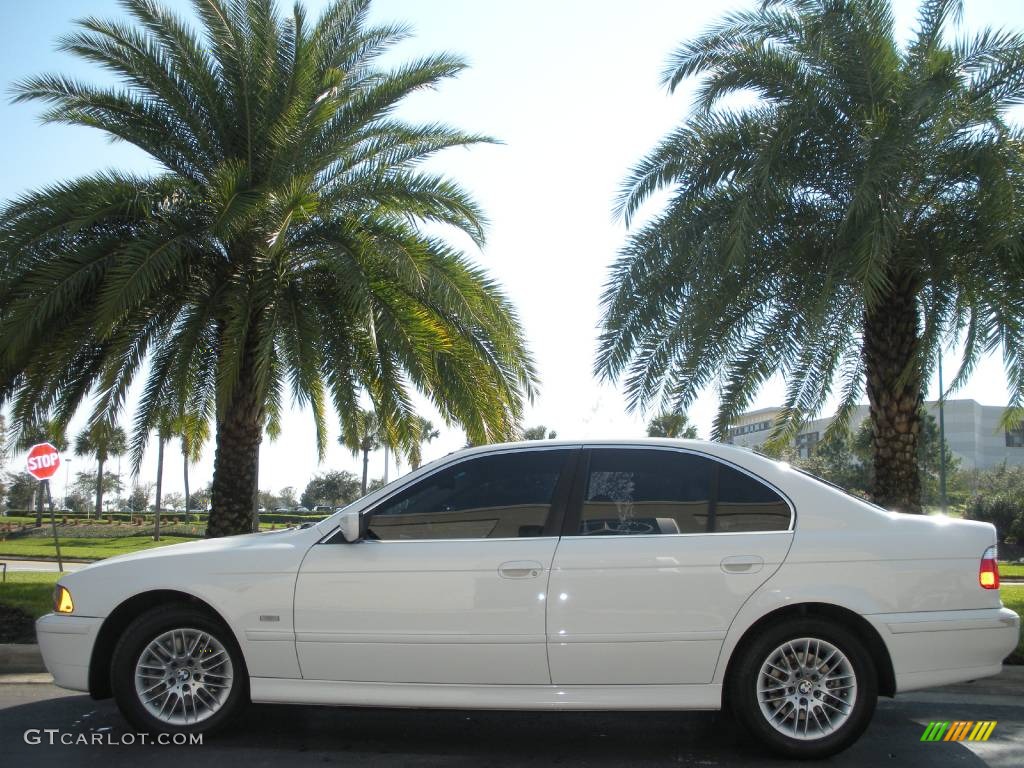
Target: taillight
column 988, row 571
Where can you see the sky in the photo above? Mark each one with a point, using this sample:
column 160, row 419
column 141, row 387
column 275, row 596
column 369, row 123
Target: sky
column 570, row 88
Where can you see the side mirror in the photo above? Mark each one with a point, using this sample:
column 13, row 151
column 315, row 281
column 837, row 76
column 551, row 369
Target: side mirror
column 351, row 526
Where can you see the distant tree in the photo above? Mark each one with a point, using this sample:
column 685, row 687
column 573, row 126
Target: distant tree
column 425, row 432
column 21, row 491
column 86, row 483
column 138, row 499
column 103, row 440
column 200, row 499
column 174, row 501
column 287, row 497
column 363, row 437
column 334, row 489
column 192, row 427
column 671, row 424
column 77, row 501
column 539, row 433
column 375, row 485
column 166, row 424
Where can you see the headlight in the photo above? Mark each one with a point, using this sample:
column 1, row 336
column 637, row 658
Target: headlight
column 62, row 602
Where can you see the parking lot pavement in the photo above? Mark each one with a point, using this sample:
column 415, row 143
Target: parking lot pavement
column 279, row 735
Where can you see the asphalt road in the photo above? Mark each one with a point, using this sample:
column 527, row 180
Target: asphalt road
column 280, row 735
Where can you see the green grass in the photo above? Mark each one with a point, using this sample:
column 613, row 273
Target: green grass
column 1013, row 598
column 1011, row 570
column 84, row 548
column 31, row 592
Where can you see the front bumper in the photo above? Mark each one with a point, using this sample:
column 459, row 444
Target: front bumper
column 930, row 648
column 66, row 643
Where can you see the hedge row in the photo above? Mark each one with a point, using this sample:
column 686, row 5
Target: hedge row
column 130, row 517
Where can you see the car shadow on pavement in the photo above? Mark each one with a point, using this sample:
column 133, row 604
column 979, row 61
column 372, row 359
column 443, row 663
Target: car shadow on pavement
column 276, row 735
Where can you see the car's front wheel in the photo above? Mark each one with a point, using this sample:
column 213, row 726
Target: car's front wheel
column 807, row 688
column 178, row 669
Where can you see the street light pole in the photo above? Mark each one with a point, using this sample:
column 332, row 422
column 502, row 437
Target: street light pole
column 942, row 439
column 67, row 472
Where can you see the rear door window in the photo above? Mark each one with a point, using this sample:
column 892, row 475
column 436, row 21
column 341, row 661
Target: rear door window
column 634, row 491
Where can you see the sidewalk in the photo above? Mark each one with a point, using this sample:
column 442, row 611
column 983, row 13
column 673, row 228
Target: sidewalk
column 22, row 564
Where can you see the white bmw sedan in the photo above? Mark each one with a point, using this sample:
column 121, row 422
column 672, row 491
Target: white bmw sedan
column 654, row 574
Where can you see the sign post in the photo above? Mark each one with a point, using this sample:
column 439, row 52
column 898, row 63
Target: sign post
column 42, row 463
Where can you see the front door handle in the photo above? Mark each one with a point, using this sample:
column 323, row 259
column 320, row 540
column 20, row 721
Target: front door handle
column 742, row 564
column 520, row 569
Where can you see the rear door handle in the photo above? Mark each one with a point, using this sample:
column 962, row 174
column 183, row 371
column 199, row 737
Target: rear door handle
column 742, row 564
column 520, row 569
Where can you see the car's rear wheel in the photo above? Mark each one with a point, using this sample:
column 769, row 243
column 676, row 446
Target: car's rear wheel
column 178, row 670
column 807, row 688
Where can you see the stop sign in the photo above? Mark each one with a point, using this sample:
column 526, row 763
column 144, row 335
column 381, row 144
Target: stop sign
column 43, row 461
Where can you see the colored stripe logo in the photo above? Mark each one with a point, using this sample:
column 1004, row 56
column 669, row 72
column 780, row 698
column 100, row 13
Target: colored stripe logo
column 959, row 730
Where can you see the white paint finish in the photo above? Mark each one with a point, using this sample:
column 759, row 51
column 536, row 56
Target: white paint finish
column 651, row 610
column 946, row 646
column 643, row 591
column 633, row 663
column 508, row 663
column 66, row 644
column 240, row 577
column 424, row 611
column 501, row 697
column 916, row 681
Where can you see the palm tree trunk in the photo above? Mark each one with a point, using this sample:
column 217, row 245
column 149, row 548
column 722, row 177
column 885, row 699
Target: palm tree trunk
column 891, row 341
column 236, row 462
column 386, row 456
column 99, row 488
column 159, row 486
column 366, row 466
column 185, row 456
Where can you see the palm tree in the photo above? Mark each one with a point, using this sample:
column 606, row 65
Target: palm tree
column 165, row 429
column 280, row 245
column 103, row 440
column 363, row 439
column 44, row 430
column 425, row 432
column 671, row 424
column 193, row 430
column 866, row 208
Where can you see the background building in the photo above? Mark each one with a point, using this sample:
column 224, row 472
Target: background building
column 972, row 432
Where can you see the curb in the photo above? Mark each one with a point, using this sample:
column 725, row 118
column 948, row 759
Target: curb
column 20, row 657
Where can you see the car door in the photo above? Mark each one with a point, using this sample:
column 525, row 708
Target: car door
column 449, row 585
column 661, row 548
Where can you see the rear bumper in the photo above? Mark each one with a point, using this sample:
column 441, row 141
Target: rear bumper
column 930, row 648
column 66, row 644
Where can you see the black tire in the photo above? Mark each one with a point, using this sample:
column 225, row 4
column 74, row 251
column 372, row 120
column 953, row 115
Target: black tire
column 742, row 688
column 140, row 633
